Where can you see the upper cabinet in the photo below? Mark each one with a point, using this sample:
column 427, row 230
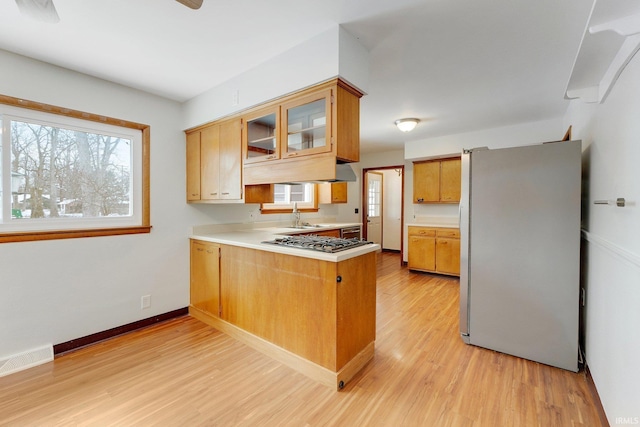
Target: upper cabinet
column 437, row 181
column 332, row 192
column 261, row 139
column 297, row 138
column 315, row 129
column 214, row 166
column 304, row 125
column 193, row 166
column 221, row 166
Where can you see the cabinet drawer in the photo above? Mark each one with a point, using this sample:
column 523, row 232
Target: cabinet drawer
column 422, row 231
column 453, row 233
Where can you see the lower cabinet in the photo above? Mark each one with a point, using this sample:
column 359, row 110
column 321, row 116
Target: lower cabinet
column 434, row 250
column 205, row 277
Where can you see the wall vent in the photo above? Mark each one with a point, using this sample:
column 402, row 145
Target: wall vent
column 28, row 359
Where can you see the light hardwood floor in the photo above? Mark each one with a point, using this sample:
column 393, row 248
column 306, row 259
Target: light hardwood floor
column 183, row 372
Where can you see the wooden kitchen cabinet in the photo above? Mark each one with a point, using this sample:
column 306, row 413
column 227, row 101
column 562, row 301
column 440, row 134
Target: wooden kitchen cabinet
column 435, row 250
column 221, row 165
column 318, row 127
column 448, row 254
column 323, row 312
column 422, row 249
column 437, row 181
column 306, row 125
column 450, row 178
column 426, row 182
column 214, row 166
column 332, row 192
column 205, row 277
column 261, row 136
column 193, row 166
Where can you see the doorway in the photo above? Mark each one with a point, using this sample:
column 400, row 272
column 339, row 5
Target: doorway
column 383, row 206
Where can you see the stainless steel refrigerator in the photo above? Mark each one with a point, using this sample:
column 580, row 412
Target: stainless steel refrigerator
column 520, row 251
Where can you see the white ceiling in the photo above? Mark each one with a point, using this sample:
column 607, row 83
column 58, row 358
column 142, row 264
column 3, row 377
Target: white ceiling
column 458, row 65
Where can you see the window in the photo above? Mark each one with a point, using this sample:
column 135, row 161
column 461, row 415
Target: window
column 374, row 199
column 285, row 195
column 70, row 174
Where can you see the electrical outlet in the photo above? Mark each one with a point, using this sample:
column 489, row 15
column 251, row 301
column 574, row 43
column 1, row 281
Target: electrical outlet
column 356, row 210
column 145, row 301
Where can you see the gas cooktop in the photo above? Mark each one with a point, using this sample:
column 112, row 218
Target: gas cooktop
column 318, row 243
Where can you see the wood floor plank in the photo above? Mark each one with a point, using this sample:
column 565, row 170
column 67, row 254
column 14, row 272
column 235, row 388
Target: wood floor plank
column 185, row 373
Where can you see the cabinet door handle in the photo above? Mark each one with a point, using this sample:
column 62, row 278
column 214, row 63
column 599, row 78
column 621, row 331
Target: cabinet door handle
column 225, row 194
column 420, row 200
column 291, row 154
column 271, row 157
column 213, row 194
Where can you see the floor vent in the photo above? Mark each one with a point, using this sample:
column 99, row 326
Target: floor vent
column 28, row 359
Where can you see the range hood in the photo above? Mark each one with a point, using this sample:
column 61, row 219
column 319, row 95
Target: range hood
column 344, row 173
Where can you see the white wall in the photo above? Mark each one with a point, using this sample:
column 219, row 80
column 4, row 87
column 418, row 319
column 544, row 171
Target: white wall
column 332, row 53
column 55, row 291
column 611, row 150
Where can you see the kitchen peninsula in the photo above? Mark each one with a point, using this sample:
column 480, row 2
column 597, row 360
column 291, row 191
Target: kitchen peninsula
column 313, row 311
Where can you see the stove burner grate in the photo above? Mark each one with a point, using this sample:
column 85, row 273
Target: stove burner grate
column 318, row 243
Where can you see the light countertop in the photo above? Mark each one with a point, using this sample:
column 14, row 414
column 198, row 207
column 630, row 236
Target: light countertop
column 432, row 224
column 435, row 221
column 252, row 238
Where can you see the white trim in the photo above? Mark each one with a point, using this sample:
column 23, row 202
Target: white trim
column 612, row 248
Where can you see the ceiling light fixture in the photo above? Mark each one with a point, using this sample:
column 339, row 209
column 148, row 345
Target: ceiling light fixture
column 407, row 125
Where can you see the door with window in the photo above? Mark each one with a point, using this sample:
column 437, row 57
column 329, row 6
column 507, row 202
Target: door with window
column 373, row 209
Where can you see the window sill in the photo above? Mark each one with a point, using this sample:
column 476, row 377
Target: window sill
column 32, row 236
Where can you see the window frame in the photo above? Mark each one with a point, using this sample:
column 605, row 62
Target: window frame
column 100, row 230
column 277, row 208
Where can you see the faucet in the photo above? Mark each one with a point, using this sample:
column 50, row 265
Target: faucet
column 296, row 214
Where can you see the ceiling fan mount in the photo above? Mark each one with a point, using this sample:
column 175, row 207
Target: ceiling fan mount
column 45, row 11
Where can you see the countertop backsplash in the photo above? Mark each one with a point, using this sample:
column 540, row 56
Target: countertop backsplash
column 435, row 215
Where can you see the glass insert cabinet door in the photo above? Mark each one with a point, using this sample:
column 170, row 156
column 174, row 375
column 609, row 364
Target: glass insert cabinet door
column 261, row 140
column 306, row 124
